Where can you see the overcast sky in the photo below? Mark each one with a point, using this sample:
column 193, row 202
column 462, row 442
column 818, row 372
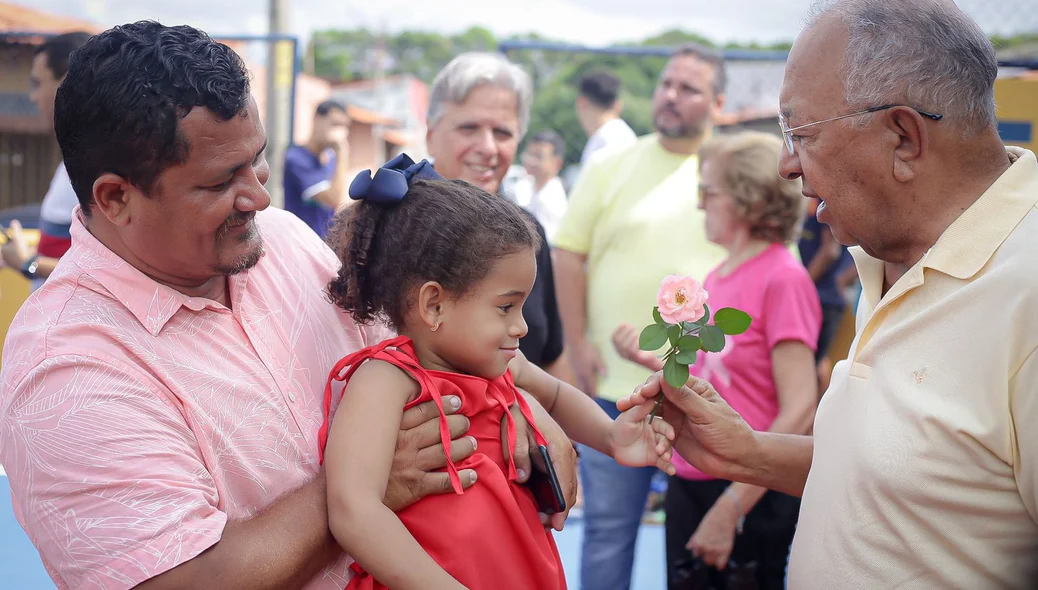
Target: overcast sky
column 591, row 22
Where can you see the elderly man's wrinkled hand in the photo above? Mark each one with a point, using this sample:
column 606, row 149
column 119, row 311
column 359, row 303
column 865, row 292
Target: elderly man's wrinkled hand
column 710, row 434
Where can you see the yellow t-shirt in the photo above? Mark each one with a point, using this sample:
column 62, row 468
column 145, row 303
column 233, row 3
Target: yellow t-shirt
column 635, row 214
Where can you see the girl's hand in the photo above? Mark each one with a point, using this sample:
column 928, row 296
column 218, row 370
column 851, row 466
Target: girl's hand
column 637, row 442
column 625, row 341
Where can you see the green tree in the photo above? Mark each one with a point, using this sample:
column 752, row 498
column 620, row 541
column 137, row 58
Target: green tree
column 352, row 54
column 677, row 37
column 342, row 55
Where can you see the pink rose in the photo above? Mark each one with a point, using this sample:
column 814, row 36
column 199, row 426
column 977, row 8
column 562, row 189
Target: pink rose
column 681, row 299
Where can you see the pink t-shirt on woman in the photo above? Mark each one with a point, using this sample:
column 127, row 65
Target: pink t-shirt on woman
column 778, row 293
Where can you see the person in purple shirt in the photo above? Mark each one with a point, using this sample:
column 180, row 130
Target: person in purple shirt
column 316, row 174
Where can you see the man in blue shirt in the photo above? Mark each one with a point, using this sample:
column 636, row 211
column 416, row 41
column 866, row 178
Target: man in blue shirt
column 316, row 178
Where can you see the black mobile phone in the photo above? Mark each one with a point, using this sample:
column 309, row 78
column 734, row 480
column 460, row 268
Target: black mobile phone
column 544, row 483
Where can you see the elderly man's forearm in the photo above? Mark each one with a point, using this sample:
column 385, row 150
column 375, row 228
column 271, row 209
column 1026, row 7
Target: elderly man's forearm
column 778, row 462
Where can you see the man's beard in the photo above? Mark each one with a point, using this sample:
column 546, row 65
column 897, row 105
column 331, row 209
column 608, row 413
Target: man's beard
column 249, row 259
column 243, row 263
column 680, row 130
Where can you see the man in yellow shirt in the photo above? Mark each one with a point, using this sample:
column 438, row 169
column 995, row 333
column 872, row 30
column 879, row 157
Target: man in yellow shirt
column 923, row 468
column 632, row 219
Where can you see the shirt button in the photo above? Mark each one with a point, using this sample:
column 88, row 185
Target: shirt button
column 291, row 397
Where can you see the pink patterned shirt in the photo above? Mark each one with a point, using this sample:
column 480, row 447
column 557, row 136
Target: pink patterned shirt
column 136, row 421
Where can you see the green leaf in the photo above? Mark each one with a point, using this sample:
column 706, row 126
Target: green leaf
column 673, row 334
column 706, row 316
column 652, row 337
column 657, row 317
column 732, row 321
column 687, row 357
column 689, row 343
column 675, row 373
column 713, row 339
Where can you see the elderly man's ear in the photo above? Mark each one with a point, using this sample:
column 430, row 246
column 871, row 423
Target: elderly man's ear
column 912, row 142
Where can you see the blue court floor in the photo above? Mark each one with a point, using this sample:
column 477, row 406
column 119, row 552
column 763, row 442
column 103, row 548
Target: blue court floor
column 21, row 569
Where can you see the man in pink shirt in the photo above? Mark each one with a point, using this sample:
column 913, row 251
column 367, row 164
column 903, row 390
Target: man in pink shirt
column 161, row 394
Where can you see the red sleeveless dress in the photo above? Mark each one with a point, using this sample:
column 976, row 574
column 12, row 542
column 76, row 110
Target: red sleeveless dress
column 489, row 536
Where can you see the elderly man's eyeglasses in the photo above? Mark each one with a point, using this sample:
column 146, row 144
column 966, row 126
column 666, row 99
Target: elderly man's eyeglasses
column 787, row 132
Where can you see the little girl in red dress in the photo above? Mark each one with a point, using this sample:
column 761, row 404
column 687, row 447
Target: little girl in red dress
column 449, row 267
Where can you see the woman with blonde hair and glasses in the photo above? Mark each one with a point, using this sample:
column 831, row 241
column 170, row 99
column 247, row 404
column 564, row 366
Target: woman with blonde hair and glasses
column 721, row 534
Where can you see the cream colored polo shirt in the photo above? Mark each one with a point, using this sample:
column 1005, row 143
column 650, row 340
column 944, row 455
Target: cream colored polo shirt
column 925, row 469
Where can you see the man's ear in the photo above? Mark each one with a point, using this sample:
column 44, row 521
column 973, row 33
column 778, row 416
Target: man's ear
column 912, row 142
column 113, row 196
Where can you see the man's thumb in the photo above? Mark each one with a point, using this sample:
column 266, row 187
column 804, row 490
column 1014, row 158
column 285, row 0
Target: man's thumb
column 689, row 398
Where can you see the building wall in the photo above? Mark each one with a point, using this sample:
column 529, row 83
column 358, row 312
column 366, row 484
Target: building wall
column 310, row 92
column 363, row 152
column 15, row 60
column 27, row 163
column 403, row 98
column 1016, row 103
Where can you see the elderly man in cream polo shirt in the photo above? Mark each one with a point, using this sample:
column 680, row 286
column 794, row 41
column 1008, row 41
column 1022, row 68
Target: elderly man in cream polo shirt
column 923, row 468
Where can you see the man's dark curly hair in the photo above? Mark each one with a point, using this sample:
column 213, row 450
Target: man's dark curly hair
column 446, row 231
column 125, row 92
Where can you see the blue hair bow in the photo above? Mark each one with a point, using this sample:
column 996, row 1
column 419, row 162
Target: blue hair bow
column 390, row 182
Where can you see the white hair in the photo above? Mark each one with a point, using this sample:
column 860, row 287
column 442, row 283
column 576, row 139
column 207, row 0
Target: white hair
column 926, row 54
column 469, row 70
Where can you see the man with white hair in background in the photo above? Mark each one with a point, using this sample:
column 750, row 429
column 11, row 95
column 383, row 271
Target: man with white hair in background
column 479, row 111
column 925, row 473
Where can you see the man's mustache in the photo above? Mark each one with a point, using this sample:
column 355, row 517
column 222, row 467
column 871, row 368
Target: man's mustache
column 235, row 220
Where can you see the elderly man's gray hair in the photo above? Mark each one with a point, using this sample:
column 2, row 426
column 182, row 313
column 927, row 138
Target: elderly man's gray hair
column 926, row 54
column 469, row 70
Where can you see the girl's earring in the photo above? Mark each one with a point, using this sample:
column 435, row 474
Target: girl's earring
column 436, row 326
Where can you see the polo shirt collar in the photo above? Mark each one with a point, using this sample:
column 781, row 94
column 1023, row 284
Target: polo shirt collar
column 152, row 303
column 972, row 239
